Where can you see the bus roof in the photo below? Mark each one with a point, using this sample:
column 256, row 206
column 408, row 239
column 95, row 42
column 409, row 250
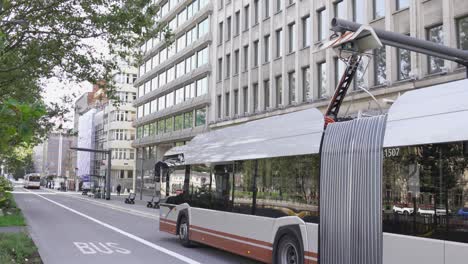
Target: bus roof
column 264, row 138
column 430, row 115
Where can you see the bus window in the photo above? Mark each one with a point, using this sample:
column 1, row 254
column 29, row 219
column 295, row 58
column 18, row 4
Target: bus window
column 242, row 196
column 199, row 186
column 221, row 187
column 424, row 191
column 288, row 186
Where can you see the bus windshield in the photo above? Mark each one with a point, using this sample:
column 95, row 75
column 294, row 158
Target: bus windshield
column 34, row 178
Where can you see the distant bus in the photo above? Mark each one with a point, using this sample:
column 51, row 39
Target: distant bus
column 32, row 180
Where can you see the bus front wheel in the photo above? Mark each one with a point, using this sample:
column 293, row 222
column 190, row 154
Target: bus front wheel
column 184, row 232
column 288, row 251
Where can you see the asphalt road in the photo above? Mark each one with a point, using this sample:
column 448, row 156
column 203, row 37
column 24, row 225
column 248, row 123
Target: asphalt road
column 70, row 228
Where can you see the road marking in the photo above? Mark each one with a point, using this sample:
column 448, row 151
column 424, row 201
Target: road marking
column 90, row 248
column 25, row 192
column 131, row 236
column 118, row 208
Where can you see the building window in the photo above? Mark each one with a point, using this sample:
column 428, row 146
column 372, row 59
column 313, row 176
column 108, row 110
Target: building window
column 279, row 40
column 179, row 122
column 228, row 29
column 255, row 14
column 246, row 57
column 404, row 63
column 220, row 69
column 306, row 27
column 340, row 11
column 401, row 4
column 130, row 172
column 237, row 23
column 246, row 17
column 228, row 65
column 359, row 11
column 266, row 8
column 279, row 90
column 462, row 33
column 202, row 86
column 266, row 90
column 227, row 104
column 200, row 117
column 188, row 120
column 169, row 124
column 292, row 86
column 380, row 66
column 245, row 95
column 255, row 53
column 340, row 67
column 219, row 106
column 220, row 33
column 379, row 8
column 322, row 79
column 435, row 34
column 307, row 93
column 255, row 96
column 236, row 62
column 291, row 37
column 279, row 5
column 203, row 28
column 236, row 102
column 266, row 41
column 322, row 24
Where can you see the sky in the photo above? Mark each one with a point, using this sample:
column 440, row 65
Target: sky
column 55, row 90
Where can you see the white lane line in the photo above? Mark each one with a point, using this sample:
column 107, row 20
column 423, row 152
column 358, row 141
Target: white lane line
column 111, row 206
column 29, row 192
column 117, row 208
column 120, row 231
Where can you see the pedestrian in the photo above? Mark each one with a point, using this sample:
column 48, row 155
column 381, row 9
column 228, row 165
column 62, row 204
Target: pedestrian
column 118, row 189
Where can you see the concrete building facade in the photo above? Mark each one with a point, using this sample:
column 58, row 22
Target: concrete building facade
column 265, row 58
column 174, row 83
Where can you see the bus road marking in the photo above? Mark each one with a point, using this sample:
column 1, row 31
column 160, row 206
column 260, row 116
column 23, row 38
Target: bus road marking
column 120, row 231
column 107, row 248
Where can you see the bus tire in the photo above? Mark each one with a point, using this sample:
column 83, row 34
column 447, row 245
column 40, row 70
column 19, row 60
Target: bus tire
column 184, row 231
column 289, row 250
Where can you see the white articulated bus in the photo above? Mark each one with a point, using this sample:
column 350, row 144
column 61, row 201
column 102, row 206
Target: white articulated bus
column 32, row 180
column 387, row 189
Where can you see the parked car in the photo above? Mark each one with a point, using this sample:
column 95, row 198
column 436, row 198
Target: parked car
column 429, row 210
column 405, row 209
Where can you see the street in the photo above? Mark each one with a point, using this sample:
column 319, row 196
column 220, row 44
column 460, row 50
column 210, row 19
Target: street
column 70, row 228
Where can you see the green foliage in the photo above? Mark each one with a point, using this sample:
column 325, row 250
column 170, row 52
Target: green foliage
column 17, row 248
column 55, row 38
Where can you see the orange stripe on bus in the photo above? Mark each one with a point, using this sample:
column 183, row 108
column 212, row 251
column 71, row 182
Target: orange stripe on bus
column 263, row 243
column 311, row 254
column 254, row 252
column 167, row 228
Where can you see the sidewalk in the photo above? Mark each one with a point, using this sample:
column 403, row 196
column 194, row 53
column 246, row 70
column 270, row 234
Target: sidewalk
column 117, row 202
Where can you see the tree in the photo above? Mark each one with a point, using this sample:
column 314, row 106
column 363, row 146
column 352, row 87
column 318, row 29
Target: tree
column 41, row 39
